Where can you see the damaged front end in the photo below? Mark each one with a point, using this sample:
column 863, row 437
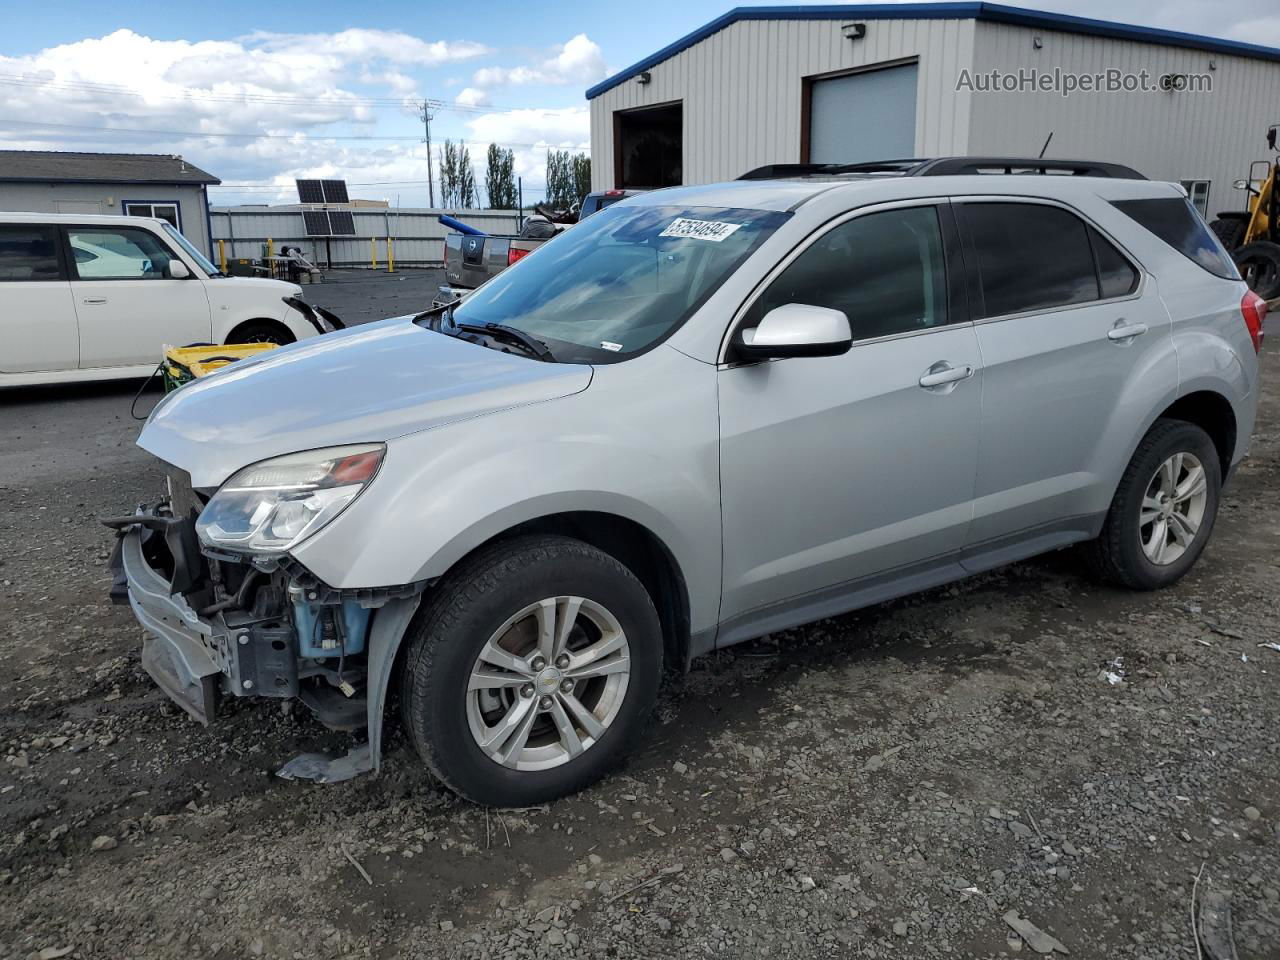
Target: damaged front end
column 226, row 624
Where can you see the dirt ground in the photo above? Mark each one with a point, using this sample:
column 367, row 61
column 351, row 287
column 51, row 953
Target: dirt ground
column 892, row 783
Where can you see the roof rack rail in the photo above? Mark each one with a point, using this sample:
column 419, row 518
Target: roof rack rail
column 949, row 167
column 962, row 166
column 774, row 171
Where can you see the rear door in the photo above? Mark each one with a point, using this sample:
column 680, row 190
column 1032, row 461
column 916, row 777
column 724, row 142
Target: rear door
column 128, row 305
column 1066, row 321
column 37, row 315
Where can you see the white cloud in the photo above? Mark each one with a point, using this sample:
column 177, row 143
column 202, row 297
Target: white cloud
column 471, row 97
column 254, row 84
column 578, row 61
column 534, row 132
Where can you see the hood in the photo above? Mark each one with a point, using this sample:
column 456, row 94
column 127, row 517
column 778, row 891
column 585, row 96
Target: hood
column 371, row 383
column 259, row 286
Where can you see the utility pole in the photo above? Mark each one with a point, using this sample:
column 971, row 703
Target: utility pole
column 427, row 116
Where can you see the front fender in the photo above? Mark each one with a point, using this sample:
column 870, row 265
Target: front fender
column 646, row 454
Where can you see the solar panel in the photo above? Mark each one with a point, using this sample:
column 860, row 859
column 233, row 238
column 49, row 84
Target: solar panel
column 335, row 191
column 342, row 223
column 316, row 223
column 310, row 191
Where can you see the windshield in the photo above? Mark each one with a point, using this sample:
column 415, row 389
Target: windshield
column 188, row 246
column 622, row 281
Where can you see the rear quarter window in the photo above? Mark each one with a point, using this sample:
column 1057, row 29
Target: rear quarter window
column 1177, row 223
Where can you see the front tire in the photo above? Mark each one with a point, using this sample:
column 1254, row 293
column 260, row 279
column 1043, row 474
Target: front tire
column 532, row 671
column 1163, row 511
column 262, row 331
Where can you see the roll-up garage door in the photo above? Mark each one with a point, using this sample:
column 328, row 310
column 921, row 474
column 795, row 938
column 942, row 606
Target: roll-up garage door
column 863, row 116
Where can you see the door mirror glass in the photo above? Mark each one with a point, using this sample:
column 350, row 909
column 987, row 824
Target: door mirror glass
column 796, row 330
column 178, row 270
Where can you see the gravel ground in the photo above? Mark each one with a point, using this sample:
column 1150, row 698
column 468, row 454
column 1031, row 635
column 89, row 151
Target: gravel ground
column 914, row 780
column 358, row 296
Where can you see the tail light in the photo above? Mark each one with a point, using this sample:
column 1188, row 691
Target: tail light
column 1254, row 309
column 515, row 253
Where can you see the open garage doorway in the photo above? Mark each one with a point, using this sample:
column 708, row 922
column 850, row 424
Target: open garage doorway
column 648, row 147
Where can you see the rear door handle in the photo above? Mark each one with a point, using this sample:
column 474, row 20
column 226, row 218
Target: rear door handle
column 1126, row 331
column 95, row 299
column 942, row 373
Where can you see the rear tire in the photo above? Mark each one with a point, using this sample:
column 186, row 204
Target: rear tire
column 1163, row 511
column 475, row 670
column 1230, row 230
column 262, row 331
column 1259, row 264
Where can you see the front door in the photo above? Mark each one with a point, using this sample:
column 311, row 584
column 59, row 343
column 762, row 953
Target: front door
column 1064, row 322
column 37, row 316
column 128, row 305
column 839, row 469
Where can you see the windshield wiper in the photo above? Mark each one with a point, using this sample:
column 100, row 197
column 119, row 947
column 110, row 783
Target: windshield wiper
column 513, row 335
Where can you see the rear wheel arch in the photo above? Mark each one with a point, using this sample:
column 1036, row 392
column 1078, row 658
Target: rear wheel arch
column 1212, row 413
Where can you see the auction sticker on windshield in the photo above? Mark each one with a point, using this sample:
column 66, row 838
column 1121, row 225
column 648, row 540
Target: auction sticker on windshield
column 712, row 230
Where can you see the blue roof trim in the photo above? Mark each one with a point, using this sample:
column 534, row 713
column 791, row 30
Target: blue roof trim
column 990, row 12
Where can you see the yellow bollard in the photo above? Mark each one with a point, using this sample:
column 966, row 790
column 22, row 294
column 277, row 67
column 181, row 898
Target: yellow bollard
column 271, row 252
column 373, row 253
column 222, row 255
column 391, row 257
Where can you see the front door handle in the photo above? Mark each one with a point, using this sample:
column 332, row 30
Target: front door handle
column 1123, row 332
column 942, row 373
column 95, row 299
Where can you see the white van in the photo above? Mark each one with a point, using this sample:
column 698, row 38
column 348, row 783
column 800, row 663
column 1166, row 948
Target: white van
column 97, row 297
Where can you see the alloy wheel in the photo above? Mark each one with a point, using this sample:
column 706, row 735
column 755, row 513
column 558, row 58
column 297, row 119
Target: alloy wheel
column 1173, row 508
column 548, row 683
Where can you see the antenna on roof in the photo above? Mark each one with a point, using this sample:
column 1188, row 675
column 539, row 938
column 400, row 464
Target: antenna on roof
column 1040, row 155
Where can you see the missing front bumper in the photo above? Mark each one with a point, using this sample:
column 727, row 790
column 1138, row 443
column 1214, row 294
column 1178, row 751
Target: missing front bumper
column 176, row 652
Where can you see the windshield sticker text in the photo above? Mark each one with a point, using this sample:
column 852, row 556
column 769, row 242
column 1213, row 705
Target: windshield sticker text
column 712, row 230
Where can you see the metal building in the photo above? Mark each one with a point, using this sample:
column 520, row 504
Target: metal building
column 132, row 184
column 847, row 83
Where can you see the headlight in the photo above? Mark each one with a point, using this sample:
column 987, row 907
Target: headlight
column 271, row 506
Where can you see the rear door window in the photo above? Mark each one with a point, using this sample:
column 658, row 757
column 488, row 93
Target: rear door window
column 1175, row 221
column 1030, row 256
column 28, row 253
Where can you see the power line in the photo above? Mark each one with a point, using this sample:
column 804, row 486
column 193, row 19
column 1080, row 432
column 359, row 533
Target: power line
column 261, row 136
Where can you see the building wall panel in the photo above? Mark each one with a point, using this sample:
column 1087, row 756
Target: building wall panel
column 742, row 90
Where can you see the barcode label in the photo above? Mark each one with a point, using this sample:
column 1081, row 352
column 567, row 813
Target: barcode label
column 712, row 230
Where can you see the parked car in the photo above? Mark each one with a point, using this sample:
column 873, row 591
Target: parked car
column 701, row 416
column 595, row 202
column 96, row 298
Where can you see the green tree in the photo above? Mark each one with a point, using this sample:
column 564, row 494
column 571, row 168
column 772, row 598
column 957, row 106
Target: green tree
column 457, row 178
column 468, row 197
column 581, row 176
column 500, row 178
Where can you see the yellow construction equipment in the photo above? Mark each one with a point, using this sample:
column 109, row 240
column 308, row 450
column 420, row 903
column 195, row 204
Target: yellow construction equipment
column 1252, row 236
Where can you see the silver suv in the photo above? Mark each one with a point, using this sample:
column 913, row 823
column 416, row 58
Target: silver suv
column 703, row 414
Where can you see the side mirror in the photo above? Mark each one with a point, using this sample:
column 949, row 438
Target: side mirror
column 795, row 330
column 178, row 270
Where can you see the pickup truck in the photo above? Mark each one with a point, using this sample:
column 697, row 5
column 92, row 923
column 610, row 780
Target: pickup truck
column 472, row 258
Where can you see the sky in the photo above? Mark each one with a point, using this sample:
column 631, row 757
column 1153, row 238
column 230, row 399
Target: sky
column 262, row 93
